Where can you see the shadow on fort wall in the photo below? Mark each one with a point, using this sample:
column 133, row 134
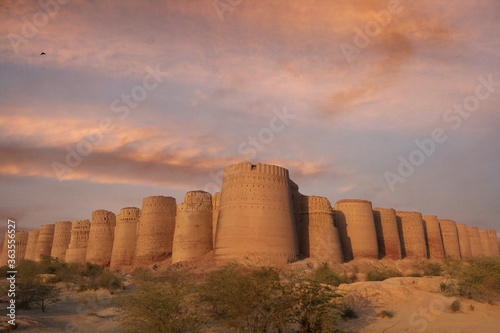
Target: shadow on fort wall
column 345, row 240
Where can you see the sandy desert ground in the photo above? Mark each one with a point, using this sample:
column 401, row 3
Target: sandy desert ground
column 416, row 303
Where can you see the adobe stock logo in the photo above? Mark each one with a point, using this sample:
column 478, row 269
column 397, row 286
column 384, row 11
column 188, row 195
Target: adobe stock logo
column 454, row 116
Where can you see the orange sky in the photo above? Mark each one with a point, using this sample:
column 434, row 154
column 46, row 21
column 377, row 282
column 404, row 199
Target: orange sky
column 184, row 86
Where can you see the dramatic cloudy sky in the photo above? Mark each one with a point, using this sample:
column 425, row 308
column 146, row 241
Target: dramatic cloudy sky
column 167, row 93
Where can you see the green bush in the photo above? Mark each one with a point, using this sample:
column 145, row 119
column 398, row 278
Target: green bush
column 380, row 274
column 160, row 306
column 429, row 268
column 480, row 278
column 326, row 275
column 142, row 274
column 455, row 306
column 349, row 313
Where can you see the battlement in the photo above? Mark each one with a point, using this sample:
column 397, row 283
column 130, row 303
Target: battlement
column 385, row 210
column 63, row 225
column 259, row 168
column 47, row 228
column 128, row 214
column 196, row 201
column 353, row 201
column 80, row 224
column 102, row 216
column 407, row 213
column 158, row 200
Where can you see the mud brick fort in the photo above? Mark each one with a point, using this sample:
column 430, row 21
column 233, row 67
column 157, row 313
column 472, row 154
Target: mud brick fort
column 260, row 216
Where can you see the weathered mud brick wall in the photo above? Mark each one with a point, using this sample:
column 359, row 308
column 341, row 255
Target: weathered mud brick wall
column 318, row 237
column 449, row 233
column 156, row 230
column 463, row 239
column 215, row 213
column 31, row 246
column 256, row 220
column 125, row 237
column 62, row 237
column 101, row 236
column 356, row 226
column 21, row 244
column 433, row 239
column 386, row 224
column 77, row 248
column 484, row 237
column 45, row 239
column 193, row 227
column 4, row 258
column 411, row 228
column 493, row 243
column 474, row 241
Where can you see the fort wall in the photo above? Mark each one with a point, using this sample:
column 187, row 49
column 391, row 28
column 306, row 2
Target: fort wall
column 411, row 228
column 433, row 239
column 193, row 229
column 356, row 226
column 125, row 237
column 450, row 238
column 21, row 245
column 475, row 242
column 77, row 248
column 317, row 234
column 493, row 243
column 4, row 257
column 45, row 239
column 215, row 213
column 101, row 237
column 62, row 237
column 256, row 219
column 463, row 238
column 484, row 237
column 31, row 246
column 386, row 224
column 156, row 230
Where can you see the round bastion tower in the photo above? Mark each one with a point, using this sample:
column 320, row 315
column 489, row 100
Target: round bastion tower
column 411, row 228
column 317, row 235
column 77, row 248
column 450, row 238
column 494, row 243
column 125, row 237
column 193, row 227
column 463, row 239
column 484, row 237
column 354, row 220
column 45, row 239
column 21, row 244
column 62, row 237
column 433, row 237
column 31, row 247
column 156, row 230
column 101, row 236
column 475, row 241
column 386, row 224
column 256, row 220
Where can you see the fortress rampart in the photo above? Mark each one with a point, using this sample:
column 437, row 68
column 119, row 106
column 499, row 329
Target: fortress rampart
column 450, row 238
column 101, row 236
column 411, row 228
column 21, row 245
column 493, row 243
column 463, row 238
column 156, row 230
column 62, row 237
column 193, row 228
column 125, row 237
column 356, row 226
column 45, row 239
column 215, row 213
column 256, row 219
column 4, row 257
column 318, row 236
column 484, row 237
column 77, row 248
column 475, row 241
column 433, row 239
column 31, row 246
column 386, row 224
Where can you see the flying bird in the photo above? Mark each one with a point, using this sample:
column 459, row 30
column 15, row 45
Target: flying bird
column 43, row 53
